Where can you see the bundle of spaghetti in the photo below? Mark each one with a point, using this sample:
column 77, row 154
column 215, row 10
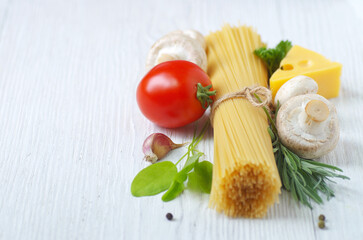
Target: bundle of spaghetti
column 245, row 177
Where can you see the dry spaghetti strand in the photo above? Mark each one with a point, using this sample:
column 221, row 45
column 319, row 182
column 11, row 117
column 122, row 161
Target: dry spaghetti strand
column 245, row 177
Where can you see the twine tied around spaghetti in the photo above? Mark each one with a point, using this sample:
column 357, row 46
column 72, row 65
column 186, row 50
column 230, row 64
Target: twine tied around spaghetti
column 245, row 93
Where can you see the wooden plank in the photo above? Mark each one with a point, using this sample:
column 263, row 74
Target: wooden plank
column 71, row 132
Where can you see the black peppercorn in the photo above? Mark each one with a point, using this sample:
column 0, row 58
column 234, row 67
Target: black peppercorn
column 169, row 216
column 321, row 224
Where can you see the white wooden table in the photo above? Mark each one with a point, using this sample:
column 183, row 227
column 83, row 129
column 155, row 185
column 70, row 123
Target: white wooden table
column 71, row 132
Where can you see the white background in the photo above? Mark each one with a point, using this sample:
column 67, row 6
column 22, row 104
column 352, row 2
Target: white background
column 71, row 132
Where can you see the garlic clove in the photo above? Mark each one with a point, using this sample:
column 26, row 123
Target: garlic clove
column 157, row 145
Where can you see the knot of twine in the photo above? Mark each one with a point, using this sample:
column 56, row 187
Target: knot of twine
column 246, row 93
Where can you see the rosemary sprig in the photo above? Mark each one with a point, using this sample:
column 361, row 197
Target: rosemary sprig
column 303, row 178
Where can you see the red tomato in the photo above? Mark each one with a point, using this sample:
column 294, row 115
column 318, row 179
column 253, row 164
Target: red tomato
column 167, row 93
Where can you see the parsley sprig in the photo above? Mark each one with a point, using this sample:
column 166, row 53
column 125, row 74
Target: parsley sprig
column 303, row 178
column 273, row 56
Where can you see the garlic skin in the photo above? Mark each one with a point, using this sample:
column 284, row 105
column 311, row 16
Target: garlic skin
column 157, row 145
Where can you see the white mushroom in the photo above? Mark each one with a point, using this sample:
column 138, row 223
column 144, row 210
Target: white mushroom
column 296, row 86
column 308, row 125
column 177, row 46
column 192, row 34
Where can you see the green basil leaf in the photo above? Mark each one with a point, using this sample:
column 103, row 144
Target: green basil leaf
column 193, row 182
column 153, row 179
column 181, row 176
column 204, row 173
column 175, row 190
column 189, row 164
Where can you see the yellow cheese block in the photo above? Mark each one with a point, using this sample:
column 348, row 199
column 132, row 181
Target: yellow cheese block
column 301, row 61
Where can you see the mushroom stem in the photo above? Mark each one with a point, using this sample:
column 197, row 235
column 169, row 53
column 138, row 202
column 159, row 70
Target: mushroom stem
column 317, row 110
column 312, row 119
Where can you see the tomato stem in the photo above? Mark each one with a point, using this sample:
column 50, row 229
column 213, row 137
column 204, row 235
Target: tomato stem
column 204, row 94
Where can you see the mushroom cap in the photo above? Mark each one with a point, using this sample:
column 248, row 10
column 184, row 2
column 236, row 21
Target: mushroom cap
column 296, row 86
column 307, row 141
column 192, row 34
column 177, row 46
